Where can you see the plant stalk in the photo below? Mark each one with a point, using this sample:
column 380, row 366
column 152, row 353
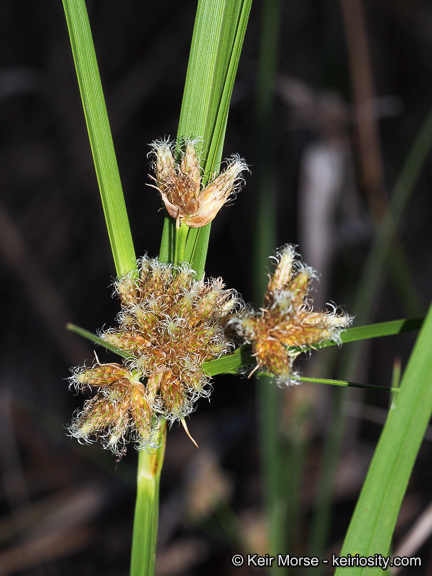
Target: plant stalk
column 145, row 527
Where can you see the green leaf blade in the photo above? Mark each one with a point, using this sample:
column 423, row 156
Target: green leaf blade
column 100, row 137
column 375, row 516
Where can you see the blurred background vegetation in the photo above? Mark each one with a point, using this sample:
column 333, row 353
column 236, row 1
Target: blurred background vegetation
column 347, row 106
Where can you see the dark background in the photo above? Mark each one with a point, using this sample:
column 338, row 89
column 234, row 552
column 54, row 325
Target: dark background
column 67, row 509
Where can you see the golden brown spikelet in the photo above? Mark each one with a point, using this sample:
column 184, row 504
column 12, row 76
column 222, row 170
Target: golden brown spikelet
column 179, row 183
column 287, row 323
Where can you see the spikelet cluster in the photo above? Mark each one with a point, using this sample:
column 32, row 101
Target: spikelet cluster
column 170, row 324
column 119, row 412
column 287, row 325
column 179, row 183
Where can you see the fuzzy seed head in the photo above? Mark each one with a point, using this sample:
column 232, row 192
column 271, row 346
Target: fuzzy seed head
column 179, row 184
column 170, row 324
column 120, row 409
column 287, row 323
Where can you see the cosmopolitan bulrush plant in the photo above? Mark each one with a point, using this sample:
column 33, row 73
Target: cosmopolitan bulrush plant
column 173, row 324
column 170, row 322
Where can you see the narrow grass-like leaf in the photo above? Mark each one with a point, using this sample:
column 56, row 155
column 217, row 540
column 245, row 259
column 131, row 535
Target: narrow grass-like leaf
column 243, row 356
column 100, row 136
column 230, row 364
column 203, row 106
column 379, row 330
column 99, row 341
column 149, row 466
column 377, row 509
column 366, row 295
column 198, row 249
column 227, row 365
column 239, row 13
column 346, row 384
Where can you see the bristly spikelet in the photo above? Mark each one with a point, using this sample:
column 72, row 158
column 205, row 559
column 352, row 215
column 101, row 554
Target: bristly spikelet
column 170, row 324
column 179, row 183
column 286, row 325
column 120, row 410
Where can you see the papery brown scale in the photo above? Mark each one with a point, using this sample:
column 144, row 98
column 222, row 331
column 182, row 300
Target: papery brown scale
column 272, row 356
column 185, row 309
column 128, row 290
column 316, row 335
column 142, row 421
column 294, row 338
column 283, row 274
column 128, row 341
column 207, row 306
column 148, row 319
column 159, row 357
column 104, row 375
column 122, row 383
column 181, row 282
column 98, row 413
column 299, row 288
column 153, row 384
column 315, row 319
column 165, row 163
column 190, row 164
column 182, row 190
column 171, row 390
column 145, row 279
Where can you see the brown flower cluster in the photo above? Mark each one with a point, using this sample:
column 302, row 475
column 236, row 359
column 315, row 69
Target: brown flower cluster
column 287, row 325
column 120, row 411
column 170, row 324
column 179, row 183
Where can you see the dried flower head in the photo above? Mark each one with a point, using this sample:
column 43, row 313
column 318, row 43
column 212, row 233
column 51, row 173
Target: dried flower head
column 119, row 411
column 179, row 183
column 170, row 324
column 287, row 325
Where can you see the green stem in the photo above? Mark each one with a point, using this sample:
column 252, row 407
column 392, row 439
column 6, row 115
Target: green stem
column 146, row 509
column 180, row 243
